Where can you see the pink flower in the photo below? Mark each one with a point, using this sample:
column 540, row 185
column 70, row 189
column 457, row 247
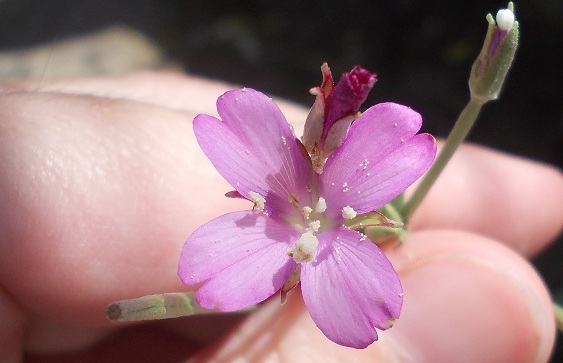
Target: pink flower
column 296, row 226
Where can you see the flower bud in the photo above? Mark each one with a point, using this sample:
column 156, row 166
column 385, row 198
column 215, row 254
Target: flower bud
column 491, row 66
column 334, row 110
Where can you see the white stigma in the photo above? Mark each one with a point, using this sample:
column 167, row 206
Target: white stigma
column 505, row 19
column 305, row 248
column 321, row 205
column 348, row 212
column 258, row 200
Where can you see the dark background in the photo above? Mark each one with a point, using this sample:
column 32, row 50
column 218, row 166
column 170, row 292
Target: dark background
column 422, row 51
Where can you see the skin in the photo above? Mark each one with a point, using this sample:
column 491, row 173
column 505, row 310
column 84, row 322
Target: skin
column 101, row 182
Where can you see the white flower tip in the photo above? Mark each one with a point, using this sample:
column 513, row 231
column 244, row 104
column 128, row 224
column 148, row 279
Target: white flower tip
column 348, row 212
column 505, row 19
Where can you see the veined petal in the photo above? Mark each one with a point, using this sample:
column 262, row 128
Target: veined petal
column 254, row 148
column 242, row 256
column 351, row 288
column 379, row 159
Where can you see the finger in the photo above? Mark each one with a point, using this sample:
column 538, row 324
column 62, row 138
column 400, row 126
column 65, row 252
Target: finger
column 98, row 198
column 144, row 187
column 168, row 89
column 114, row 211
column 491, row 305
column 141, row 343
column 475, row 193
column 509, row 199
column 467, row 299
column 154, row 189
column 99, row 214
column 94, row 212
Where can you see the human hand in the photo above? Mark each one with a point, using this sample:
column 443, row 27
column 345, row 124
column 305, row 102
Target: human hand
column 102, row 181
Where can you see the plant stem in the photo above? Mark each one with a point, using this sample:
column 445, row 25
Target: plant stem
column 465, row 121
column 558, row 316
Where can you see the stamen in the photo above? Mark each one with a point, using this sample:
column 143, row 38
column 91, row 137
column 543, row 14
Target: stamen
column 306, row 211
column 321, row 205
column 348, row 212
column 315, row 226
column 305, row 248
column 257, row 199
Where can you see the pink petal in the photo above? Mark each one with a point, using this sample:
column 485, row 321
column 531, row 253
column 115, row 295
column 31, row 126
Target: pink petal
column 351, row 288
column 254, row 148
column 242, row 256
column 379, row 159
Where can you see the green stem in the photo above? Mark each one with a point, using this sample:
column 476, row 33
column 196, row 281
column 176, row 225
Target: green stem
column 558, row 316
column 461, row 128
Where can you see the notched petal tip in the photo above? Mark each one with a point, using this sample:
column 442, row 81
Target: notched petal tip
column 239, row 257
column 351, row 289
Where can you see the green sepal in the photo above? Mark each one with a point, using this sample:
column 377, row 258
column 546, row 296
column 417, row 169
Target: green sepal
column 290, row 284
column 382, row 226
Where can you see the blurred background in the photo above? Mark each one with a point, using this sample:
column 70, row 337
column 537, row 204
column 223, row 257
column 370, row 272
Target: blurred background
column 421, row 50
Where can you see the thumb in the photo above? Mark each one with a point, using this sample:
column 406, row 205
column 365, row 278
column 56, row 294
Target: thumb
column 467, row 299
column 470, row 299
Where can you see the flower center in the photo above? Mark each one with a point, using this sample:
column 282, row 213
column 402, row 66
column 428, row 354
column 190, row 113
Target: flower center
column 305, row 248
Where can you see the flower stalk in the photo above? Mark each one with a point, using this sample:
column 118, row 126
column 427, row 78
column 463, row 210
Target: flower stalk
column 461, row 129
column 558, row 310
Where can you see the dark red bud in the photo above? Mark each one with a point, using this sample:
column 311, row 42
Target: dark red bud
column 349, row 93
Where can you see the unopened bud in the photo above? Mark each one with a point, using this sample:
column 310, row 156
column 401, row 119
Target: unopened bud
column 491, row 66
column 334, row 110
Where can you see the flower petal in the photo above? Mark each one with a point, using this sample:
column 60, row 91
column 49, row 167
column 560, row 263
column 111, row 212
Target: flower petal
column 379, row 159
column 254, row 148
column 351, row 288
column 243, row 257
